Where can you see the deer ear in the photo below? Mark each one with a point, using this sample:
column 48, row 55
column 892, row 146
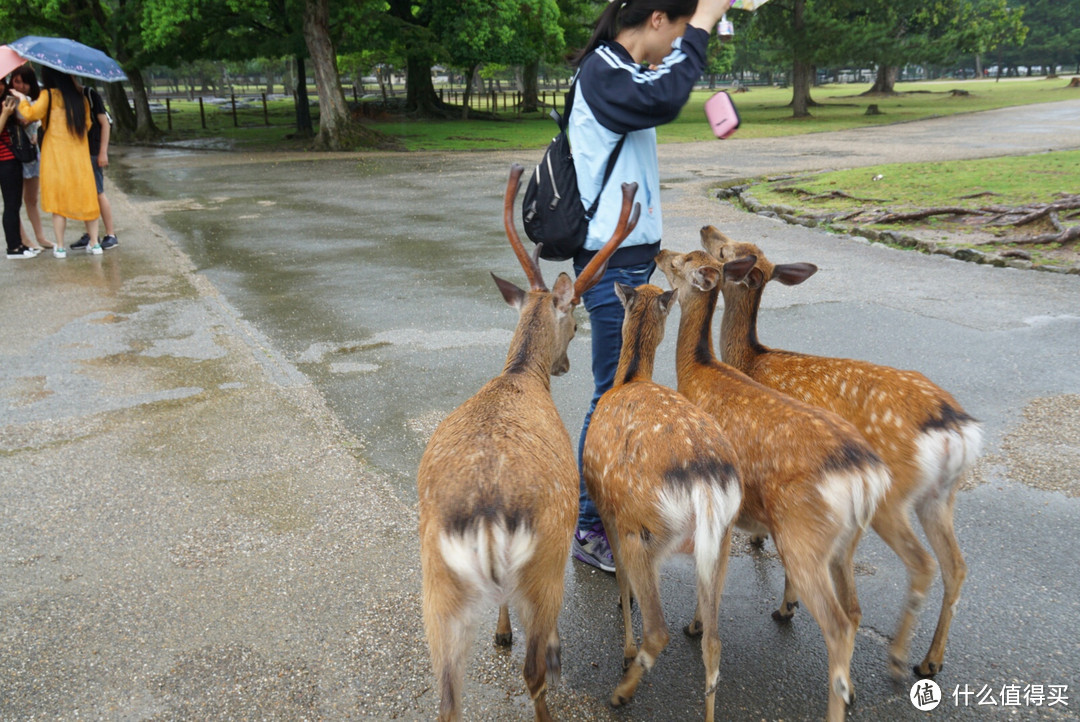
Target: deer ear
column 737, row 270
column 563, row 293
column 668, row 299
column 624, row 292
column 792, row 274
column 513, row 295
column 705, row 278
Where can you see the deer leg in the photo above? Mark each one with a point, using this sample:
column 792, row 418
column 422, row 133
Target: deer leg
column 645, row 578
column 450, row 631
column 709, row 593
column 540, row 615
column 790, row 601
column 504, row 635
column 694, row 628
column 843, row 574
column 937, row 522
column 892, row 524
column 811, row 576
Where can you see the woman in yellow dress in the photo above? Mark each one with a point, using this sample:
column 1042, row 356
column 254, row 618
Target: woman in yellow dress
column 67, row 177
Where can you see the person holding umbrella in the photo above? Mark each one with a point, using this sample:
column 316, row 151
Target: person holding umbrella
column 68, row 189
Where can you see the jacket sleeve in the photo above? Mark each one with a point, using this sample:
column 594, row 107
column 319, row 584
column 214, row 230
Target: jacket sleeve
column 624, row 97
column 37, row 110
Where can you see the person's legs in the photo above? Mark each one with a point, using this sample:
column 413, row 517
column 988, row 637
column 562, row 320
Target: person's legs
column 11, row 186
column 59, row 224
column 31, row 196
column 106, row 214
column 93, row 247
column 605, row 320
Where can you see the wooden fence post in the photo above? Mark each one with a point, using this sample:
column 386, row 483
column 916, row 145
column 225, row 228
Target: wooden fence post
column 168, row 112
column 202, row 113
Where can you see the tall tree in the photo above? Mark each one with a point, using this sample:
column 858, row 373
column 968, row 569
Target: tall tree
column 805, row 33
column 111, row 25
column 892, row 33
column 1054, row 37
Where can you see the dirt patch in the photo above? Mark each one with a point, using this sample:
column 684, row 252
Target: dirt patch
column 1042, row 452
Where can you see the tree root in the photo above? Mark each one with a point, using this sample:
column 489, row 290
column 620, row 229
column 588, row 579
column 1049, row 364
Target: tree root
column 1067, row 235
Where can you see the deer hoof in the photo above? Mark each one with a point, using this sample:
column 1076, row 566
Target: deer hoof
column 781, row 617
column 504, row 640
column 693, row 629
column 897, row 668
column 927, row 669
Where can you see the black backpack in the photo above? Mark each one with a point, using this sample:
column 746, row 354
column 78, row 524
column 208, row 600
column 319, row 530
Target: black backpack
column 551, row 210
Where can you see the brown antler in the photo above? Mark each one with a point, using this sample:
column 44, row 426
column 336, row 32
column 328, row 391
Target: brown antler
column 532, row 268
column 594, row 270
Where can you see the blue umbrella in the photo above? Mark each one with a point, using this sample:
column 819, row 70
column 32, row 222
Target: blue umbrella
column 68, row 56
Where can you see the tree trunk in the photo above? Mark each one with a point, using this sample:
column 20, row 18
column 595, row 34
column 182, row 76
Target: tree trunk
column 144, row 122
column 123, row 116
column 304, row 128
column 467, row 95
column 420, row 96
column 530, row 88
column 800, row 68
column 800, row 89
column 885, row 81
column 333, row 110
column 978, row 65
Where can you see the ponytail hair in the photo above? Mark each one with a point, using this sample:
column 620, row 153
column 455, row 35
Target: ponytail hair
column 621, row 14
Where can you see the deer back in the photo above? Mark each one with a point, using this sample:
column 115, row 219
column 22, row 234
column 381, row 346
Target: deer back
column 791, row 454
column 902, row 414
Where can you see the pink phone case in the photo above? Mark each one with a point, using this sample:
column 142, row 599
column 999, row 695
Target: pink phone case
column 722, row 115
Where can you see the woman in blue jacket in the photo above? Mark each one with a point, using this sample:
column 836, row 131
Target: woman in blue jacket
column 636, row 73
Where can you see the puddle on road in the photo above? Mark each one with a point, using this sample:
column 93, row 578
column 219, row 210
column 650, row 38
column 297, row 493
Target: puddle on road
column 372, row 276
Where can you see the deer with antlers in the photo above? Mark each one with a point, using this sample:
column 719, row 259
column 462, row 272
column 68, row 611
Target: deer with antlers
column 809, row 478
column 498, row 485
column 918, row 429
column 663, row 478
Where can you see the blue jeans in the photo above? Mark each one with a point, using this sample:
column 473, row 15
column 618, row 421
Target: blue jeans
column 606, row 318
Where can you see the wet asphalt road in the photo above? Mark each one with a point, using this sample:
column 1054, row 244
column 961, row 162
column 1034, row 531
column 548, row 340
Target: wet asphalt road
column 369, row 275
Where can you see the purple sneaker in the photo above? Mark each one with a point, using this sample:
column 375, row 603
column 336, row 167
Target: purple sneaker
column 591, row 546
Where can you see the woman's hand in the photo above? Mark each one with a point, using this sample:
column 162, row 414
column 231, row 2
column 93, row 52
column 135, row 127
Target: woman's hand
column 708, row 13
column 10, row 104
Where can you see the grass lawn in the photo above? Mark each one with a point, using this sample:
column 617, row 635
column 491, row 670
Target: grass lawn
column 764, row 113
column 1010, row 180
column 857, row 198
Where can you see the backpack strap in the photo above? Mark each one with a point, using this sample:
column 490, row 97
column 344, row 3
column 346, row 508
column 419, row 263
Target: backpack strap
column 563, row 121
column 607, row 174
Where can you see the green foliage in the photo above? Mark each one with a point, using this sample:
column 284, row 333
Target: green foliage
column 1054, row 36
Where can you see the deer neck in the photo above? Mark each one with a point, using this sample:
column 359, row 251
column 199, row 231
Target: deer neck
column 530, row 348
column 694, row 346
column 739, row 344
column 636, row 359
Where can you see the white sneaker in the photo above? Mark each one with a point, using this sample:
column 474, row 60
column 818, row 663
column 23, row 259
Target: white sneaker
column 94, row 250
column 20, row 253
column 59, row 252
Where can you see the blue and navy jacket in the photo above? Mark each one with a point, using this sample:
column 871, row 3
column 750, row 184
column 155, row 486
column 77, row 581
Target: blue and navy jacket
column 617, row 96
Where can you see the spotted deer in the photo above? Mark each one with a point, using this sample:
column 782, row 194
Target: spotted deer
column 809, row 478
column 924, row 436
column 663, row 478
column 498, row 485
